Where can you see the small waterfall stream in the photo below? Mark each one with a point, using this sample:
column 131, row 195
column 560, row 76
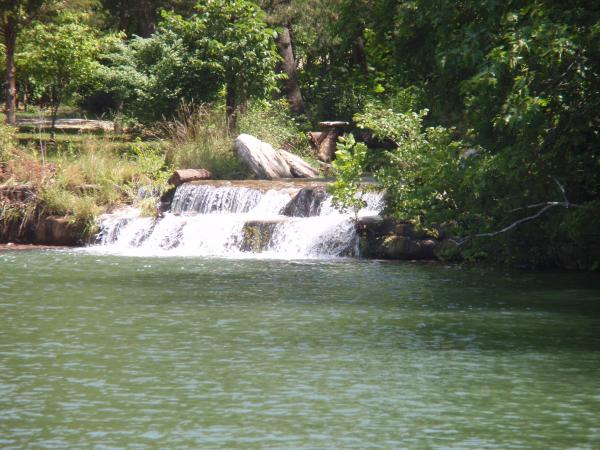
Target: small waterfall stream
column 238, row 221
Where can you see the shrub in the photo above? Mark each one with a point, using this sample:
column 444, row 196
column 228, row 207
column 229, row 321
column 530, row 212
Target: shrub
column 348, row 165
column 8, row 140
column 422, row 174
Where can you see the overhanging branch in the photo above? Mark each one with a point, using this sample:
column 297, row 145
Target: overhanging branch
column 544, row 206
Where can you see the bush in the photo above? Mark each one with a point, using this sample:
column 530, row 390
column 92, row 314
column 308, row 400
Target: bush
column 8, row 140
column 423, row 173
column 491, row 199
column 348, row 165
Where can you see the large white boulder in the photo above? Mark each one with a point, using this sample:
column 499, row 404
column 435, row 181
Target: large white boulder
column 268, row 163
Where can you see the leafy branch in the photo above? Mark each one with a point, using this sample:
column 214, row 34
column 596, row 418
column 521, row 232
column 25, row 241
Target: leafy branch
column 544, row 206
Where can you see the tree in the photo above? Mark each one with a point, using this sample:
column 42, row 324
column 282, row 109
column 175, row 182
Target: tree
column 282, row 15
column 234, row 36
column 141, row 17
column 226, row 45
column 59, row 58
column 288, row 64
column 14, row 16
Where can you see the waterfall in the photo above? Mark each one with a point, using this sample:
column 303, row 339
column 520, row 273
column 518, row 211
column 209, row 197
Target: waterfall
column 238, row 221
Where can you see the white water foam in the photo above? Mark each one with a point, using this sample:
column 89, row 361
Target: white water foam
column 221, row 221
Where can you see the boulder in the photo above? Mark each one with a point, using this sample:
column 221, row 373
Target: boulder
column 402, row 247
column 186, row 175
column 306, row 203
column 257, row 235
column 55, row 230
column 268, row 163
column 388, row 239
column 17, row 194
column 298, row 167
column 164, row 204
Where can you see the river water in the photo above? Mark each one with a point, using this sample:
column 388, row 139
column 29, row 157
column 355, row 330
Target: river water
column 104, row 352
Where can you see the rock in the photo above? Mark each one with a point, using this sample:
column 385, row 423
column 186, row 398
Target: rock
column 186, row 175
column 164, row 203
column 268, row 163
column 387, row 239
column 55, row 230
column 257, row 235
column 306, row 203
column 17, row 194
column 298, row 167
column 401, row 247
column 261, row 157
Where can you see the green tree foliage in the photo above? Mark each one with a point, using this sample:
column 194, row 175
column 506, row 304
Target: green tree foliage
column 225, row 44
column 14, row 16
column 140, row 17
column 421, row 173
column 60, row 57
column 517, row 82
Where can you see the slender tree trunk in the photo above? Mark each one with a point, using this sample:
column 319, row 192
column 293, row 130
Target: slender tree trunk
column 242, row 98
column 231, row 105
column 25, row 99
column 54, row 104
column 290, row 85
column 10, row 38
column 359, row 56
column 147, row 20
column 123, row 20
column 53, row 113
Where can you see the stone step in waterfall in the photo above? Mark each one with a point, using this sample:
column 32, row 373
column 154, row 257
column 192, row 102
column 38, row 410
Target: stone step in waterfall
column 239, row 219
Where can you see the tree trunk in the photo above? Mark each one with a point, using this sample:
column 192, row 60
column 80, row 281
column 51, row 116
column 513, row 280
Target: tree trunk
column 290, row 85
column 359, row 56
column 53, row 114
column 230, row 105
column 55, row 100
column 10, row 38
column 147, row 19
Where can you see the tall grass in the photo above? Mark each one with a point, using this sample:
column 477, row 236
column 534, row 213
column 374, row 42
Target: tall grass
column 92, row 175
column 198, row 137
column 90, row 179
column 8, row 139
column 100, row 179
column 271, row 122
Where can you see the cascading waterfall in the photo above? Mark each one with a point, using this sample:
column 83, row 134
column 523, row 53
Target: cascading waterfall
column 237, row 221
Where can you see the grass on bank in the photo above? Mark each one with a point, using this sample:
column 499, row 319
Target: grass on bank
column 84, row 175
column 198, row 138
column 81, row 184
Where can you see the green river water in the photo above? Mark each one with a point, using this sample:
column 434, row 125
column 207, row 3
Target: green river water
column 106, row 352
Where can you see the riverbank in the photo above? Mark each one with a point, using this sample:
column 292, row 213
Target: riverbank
column 58, row 198
column 11, row 246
